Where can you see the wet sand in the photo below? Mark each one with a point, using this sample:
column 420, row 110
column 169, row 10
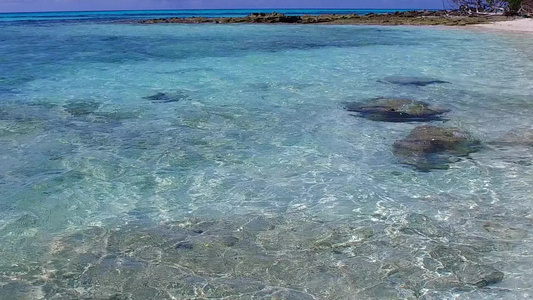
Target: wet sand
column 517, row 25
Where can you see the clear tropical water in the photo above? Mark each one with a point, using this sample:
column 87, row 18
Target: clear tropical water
column 252, row 183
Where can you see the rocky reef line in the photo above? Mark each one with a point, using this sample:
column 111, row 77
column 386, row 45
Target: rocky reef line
column 422, row 17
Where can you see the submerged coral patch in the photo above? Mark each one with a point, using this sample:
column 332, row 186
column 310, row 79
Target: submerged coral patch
column 261, row 258
column 161, row 97
column 80, row 108
column 411, row 80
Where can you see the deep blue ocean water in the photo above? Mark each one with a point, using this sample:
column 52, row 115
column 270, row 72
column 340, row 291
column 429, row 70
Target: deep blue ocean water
column 216, row 161
column 150, row 14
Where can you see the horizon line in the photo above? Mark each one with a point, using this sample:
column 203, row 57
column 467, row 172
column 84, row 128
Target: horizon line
column 193, row 9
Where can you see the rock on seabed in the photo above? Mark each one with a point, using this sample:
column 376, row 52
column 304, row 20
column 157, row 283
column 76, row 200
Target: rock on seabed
column 396, row 110
column 412, row 80
column 161, row 97
column 519, row 137
column 431, row 147
column 81, row 108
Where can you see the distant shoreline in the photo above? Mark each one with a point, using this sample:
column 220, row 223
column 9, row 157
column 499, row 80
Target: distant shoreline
column 202, row 10
column 420, row 17
column 138, row 15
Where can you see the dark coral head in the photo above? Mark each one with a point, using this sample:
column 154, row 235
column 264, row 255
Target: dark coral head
column 396, row 110
column 431, row 147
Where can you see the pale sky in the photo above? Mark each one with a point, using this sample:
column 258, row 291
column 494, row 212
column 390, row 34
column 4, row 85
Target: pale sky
column 60, row 5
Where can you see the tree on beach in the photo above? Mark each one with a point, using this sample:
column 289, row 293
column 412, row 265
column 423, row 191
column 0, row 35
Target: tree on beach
column 523, row 7
column 509, row 7
column 479, row 6
column 514, row 6
column 526, row 8
column 520, row 7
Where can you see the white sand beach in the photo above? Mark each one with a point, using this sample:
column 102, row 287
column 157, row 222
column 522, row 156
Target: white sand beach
column 518, row 25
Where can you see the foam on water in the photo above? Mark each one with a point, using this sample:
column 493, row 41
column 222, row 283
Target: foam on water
column 91, row 161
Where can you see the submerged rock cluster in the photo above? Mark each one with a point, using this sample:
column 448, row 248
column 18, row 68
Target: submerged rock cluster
column 426, row 147
column 258, row 257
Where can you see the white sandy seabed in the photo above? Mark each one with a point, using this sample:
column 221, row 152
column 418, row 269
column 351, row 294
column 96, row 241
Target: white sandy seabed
column 518, row 25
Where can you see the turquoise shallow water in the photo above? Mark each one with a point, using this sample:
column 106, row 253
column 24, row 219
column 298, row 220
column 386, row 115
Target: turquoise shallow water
column 253, row 183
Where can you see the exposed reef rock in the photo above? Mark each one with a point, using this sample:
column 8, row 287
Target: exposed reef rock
column 422, row 17
column 411, row 80
column 431, row 147
column 396, row 110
